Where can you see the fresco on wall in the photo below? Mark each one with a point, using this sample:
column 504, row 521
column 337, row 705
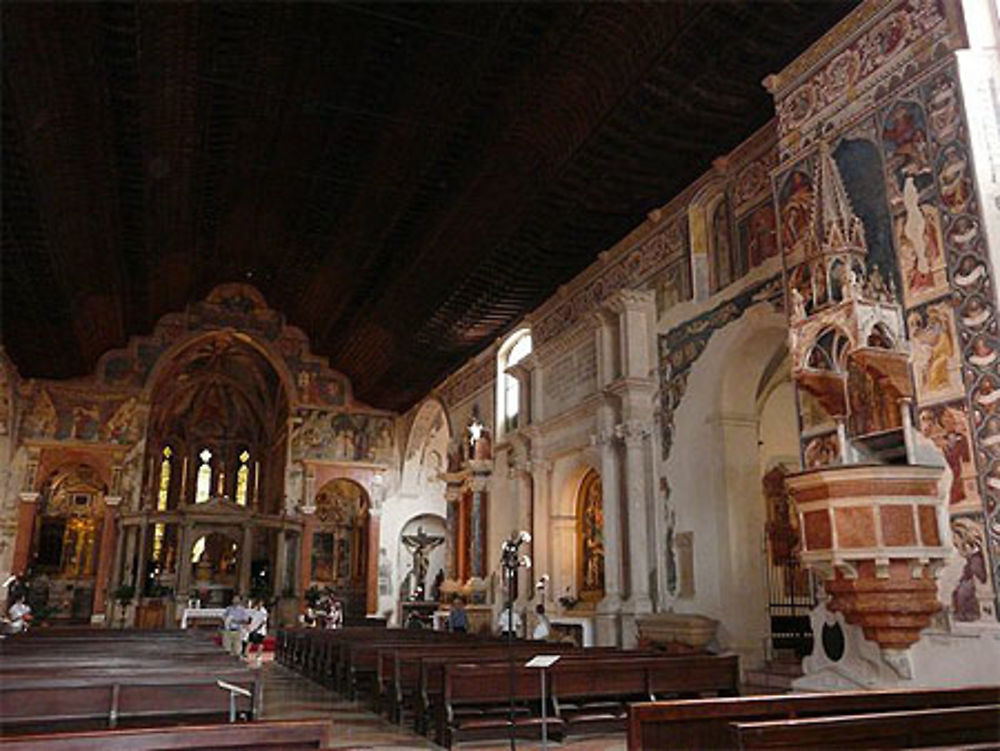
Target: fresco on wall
column 342, row 436
column 913, row 201
column 970, row 595
column 757, row 235
column 62, row 413
column 721, row 246
column 821, row 451
column 937, row 369
column 238, row 307
column 947, row 425
column 797, row 210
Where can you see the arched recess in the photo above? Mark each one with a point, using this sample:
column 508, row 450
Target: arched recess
column 714, row 473
column 66, row 543
column 220, row 405
column 426, row 448
column 590, row 539
column 340, row 543
column 434, row 526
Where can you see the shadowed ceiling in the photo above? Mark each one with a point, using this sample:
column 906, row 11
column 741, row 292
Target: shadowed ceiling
column 402, row 181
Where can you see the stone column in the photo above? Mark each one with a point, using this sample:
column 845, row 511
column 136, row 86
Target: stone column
column 635, row 436
column 608, row 443
column 130, row 571
column 453, row 499
column 541, row 479
column 477, row 534
column 305, row 552
column 281, row 563
column 27, row 509
column 140, row 572
column 462, row 562
column 105, row 554
column 184, row 543
column 246, row 559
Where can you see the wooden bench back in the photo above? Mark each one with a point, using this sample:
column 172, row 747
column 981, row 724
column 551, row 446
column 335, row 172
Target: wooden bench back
column 704, row 723
column 910, row 729
column 283, row 735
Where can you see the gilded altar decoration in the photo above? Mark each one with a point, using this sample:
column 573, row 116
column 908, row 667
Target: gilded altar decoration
column 590, row 535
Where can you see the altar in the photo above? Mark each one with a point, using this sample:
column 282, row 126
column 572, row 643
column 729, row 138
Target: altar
column 202, row 614
column 580, row 628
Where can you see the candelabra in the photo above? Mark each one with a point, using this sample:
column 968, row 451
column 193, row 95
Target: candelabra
column 510, row 561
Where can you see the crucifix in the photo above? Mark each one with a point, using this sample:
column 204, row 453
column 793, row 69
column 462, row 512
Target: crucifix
column 420, row 545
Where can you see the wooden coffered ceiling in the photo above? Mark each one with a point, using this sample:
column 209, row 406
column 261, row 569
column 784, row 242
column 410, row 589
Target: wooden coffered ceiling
column 402, row 181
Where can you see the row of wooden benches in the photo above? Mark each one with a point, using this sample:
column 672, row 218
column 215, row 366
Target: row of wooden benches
column 109, row 679
column 459, row 689
column 910, row 718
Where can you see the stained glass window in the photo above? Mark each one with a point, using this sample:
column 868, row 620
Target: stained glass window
column 243, row 478
column 203, row 487
column 164, row 493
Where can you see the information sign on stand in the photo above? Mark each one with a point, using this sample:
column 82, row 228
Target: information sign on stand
column 542, row 662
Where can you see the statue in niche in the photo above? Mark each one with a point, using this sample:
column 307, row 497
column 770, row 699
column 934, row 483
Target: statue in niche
column 420, row 545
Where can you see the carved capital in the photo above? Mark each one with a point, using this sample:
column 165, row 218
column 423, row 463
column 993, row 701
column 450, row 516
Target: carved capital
column 629, row 299
column 633, row 431
column 112, row 500
column 29, row 497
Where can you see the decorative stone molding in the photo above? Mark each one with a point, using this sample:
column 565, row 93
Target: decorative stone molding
column 633, row 431
column 112, row 500
column 29, row 497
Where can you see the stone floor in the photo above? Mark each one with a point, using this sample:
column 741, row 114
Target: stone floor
column 287, row 695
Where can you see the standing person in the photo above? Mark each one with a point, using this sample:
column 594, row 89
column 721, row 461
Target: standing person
column 256, row 632
column 506, row 623
column 458, row 619
column 234, row 618
column 543, row 629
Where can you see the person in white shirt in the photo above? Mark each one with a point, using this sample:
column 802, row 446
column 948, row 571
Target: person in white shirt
column 504, row 621
column 543, row 629
column 256, row 632
column 18, row 616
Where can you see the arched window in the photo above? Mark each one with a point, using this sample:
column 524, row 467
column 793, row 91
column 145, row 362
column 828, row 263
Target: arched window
column 203, row 486
column 515, row 349
column 163, row 496
column 243, row 478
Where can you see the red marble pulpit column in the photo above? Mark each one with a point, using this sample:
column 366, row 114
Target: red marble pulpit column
column 27, row 510
column 371, row 575
column 106, row 553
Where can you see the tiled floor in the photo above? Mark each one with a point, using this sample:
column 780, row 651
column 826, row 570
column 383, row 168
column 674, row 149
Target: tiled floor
column 288, row 695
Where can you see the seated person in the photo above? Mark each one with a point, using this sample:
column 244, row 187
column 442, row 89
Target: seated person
column 18, row 616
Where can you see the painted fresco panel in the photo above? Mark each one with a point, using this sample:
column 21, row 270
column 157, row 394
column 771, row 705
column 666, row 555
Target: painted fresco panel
column 937, row 367
column 797, row 211
column 947, row 425
column 757, row 235
column 914, row 202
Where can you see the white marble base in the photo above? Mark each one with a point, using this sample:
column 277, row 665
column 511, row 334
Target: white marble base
column 966, row 655
column 609, row 629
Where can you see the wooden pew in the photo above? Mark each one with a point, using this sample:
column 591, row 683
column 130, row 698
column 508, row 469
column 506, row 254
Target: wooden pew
column 704, row 723
column 121, row 698
column 280, row 735
column 600, row 684
column 409, row 676
column 591, row 696
column 917, row 728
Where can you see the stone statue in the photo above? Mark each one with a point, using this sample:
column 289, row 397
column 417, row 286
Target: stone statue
column 420, row 546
